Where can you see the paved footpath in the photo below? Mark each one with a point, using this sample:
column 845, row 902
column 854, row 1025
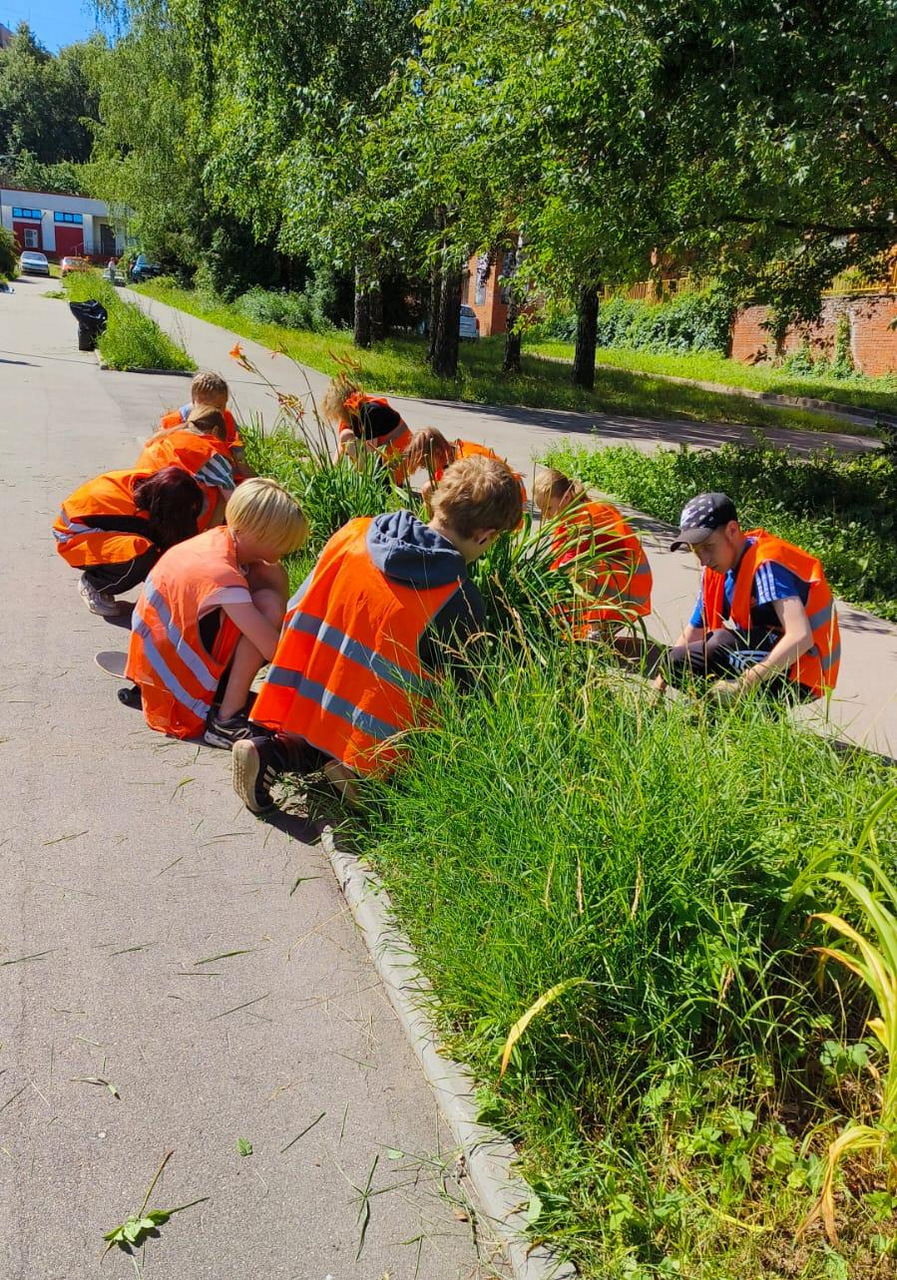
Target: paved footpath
column 865, row 705
column 156, row 937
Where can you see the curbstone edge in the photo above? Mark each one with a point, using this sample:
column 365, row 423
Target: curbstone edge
column 490, row 1157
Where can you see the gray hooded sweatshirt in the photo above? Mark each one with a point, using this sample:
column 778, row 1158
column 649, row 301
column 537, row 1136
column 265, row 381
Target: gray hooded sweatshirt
column 408, row 551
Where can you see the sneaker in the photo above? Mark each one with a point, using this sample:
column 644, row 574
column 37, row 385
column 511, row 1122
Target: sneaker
column 257, row 764
column 98, row 602
column 224, row 733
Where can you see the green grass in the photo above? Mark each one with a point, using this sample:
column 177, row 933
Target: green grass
column 398, row 366
column 672, row 1112
column 841, row 508
column 132, row 339
column 557, row 824
column 864, row 392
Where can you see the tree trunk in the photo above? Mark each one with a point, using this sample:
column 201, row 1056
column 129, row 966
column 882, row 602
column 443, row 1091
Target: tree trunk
column 444, row 360
column 375, row 307
column 433, row 313
column 586, row 338
column 511, row 361
column 362, row 336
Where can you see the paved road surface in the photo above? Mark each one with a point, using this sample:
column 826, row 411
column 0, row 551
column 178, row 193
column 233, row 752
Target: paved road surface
column 127, row 865
column 865, row 706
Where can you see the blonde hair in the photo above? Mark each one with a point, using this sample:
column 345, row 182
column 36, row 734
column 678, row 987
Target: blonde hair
column 334, row 399
column 207, row 383
column 428, row 448
column 553, row 486
column 476, row 494
column 263, row 508
column 201, row 421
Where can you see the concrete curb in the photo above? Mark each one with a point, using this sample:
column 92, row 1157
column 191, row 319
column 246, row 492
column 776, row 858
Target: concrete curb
column 857, row 414
column 171, row 373
column 490, row 1157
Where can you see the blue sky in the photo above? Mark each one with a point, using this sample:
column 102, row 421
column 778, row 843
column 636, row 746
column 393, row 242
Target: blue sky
column 54, row 22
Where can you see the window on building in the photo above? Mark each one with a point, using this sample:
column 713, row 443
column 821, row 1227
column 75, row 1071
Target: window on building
column 26, row 213
column 31, row 237
column 76, row 218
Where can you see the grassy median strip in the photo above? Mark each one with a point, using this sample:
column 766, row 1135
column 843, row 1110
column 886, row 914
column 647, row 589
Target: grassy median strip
column 132, row 339
column 843, row 508
column 612, row 895
column 398, row 365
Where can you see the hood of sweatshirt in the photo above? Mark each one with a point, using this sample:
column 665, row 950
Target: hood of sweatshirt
column 408, row 551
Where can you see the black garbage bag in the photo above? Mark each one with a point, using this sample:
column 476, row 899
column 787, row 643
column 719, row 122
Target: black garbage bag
column 91, row 316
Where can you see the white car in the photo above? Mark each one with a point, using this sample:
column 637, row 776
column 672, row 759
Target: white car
column 34, row 264
column 468, row 324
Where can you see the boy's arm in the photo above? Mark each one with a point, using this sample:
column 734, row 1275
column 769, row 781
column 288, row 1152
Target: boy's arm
column 452, row 640
column 255, row 627
column 242, row 469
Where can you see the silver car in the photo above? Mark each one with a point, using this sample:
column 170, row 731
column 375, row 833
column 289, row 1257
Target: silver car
column 468, row 324
column 34, row 264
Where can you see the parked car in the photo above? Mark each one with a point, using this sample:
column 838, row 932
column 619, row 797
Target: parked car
column 143, row 270
column 32, row 263
column 73, row 264
column 468, row 325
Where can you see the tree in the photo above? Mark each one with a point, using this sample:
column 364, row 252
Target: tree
column 45, row 102
column 9, row 254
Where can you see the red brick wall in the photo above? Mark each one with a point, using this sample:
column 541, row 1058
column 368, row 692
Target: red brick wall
column 492, row 313
column 873, row 345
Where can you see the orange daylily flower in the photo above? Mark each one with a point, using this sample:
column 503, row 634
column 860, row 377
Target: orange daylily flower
column 237, row 353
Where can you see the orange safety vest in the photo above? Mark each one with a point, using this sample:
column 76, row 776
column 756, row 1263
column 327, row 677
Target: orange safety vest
column 390, row 446
column 205, row 458
column 596, row 538
column 818, row 669
column 347, row 676
column 468, row 449
column 177, row 675
column 82, row 543
column 178, row 417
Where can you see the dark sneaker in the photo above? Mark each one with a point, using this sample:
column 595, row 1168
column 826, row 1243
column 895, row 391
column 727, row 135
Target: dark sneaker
column 224, row 733
column 257, row 764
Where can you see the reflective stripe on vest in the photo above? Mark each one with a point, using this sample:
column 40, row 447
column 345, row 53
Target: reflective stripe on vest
column 347, row 676
column 816, row 670
column 107, row 497
column 166, row 657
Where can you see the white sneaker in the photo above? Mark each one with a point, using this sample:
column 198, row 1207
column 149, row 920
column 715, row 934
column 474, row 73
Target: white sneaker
column 97, row 601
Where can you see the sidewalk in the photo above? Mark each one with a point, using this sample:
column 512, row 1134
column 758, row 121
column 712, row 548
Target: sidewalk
column 865, row 704
column 154, row 936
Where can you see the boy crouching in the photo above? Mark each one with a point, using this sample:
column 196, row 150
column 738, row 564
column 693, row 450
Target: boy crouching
column 367, row 632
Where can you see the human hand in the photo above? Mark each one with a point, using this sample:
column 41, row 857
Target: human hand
column 726, row 691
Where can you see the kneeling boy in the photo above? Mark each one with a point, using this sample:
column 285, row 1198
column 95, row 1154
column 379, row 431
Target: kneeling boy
column 367, row 632
column 209, row 615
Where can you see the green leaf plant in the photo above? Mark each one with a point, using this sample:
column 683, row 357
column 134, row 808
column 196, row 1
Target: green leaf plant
column 872, row 957
column 139, row 1226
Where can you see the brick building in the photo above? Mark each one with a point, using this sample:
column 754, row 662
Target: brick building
column 482, row 290
column 59, row 225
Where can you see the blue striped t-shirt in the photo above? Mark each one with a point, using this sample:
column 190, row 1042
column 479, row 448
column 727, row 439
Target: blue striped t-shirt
column 772, row 581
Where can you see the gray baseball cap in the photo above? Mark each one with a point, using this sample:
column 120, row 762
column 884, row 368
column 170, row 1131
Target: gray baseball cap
column 700, row 517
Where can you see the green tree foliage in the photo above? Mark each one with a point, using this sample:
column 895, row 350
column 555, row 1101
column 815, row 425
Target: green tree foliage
column 9, row 254
column 46, row 102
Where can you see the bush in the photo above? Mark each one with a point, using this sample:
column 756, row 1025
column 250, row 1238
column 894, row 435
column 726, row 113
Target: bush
column 278, row 306
column 132, row 339
column 842, row 508
column 9, row 255
column 699, row 321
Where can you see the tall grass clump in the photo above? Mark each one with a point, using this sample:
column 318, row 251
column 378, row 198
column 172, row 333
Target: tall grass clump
column 842, row 508
column 556, row 832
column 132, row 339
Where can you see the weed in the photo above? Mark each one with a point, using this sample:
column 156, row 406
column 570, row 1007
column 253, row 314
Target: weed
column 132, row 339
